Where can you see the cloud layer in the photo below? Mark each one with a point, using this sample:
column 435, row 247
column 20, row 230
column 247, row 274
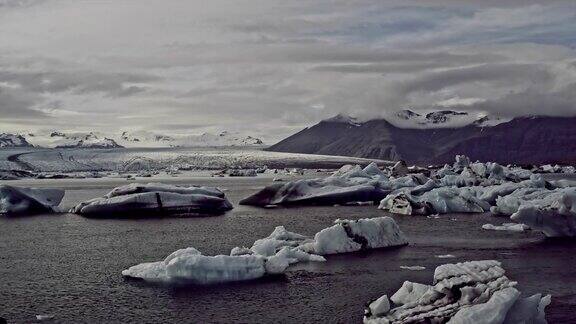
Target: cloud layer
column 271, row 67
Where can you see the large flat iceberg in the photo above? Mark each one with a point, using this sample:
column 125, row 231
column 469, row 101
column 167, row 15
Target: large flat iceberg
column 467, row 292
column 155, row 199
column 23, row 201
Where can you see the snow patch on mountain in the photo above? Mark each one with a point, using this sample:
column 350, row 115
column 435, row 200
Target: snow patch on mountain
column 149, row 139
column 13, row 140
column 57, row 139
column 434, row 119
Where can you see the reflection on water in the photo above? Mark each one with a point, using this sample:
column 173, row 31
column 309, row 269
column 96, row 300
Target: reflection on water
column 69, row 266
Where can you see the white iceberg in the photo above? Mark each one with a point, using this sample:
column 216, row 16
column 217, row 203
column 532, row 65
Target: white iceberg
column 190, row 266
column 555, row 218
column 270, row 255
column 155, row 199
column 468, row 292
column 355, row 235
column 22, row 201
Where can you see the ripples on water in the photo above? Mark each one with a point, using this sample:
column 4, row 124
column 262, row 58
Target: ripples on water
column 69, row 266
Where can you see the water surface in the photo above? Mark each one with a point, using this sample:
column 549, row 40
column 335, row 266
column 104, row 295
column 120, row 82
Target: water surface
column 69, row 266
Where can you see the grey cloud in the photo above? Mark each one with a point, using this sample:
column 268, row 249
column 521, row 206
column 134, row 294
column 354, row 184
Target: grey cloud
column 497, row 73
column 15, row 104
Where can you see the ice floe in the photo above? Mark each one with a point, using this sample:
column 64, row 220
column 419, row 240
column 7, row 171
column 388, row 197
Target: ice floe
column 468, row 292
column 270, row 255
column 155, row 199
column 24, row 201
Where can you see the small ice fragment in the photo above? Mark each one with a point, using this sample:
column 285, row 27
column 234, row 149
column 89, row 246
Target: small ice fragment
column 445, row 256
column 44, row 317
column 413, row 268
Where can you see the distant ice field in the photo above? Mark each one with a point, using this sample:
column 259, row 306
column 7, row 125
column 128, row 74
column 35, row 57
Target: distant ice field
column 146, row 159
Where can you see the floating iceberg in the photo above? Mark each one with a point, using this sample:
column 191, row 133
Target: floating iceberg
column 190, row 266
column 442, row 200
column 468, row 292
column 555, row 217
column 350, row 184
column 355, row 235
column 270, row 255
column 22, row 201
column 155, row 199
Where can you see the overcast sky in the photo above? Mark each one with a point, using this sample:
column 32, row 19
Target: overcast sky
column 269, row 68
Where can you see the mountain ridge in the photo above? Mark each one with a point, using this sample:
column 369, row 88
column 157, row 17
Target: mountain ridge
column 523, row 140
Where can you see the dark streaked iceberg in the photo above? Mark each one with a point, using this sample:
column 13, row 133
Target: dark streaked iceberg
column 15, row 201
column 155, row 199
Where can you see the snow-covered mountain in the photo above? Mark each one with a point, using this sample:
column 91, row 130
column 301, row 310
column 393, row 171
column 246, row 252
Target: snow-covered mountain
column 149, row 139
column 13, row 140
column 441, row 119
column 59, row 139
column 56, row 139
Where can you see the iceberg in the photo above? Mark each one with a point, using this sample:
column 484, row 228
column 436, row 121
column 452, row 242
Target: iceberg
column 467, row 292
column 155, row 199
column 271, row 255
column 190, row 266
column 554, row 217
column 355, row 235
column 16, row 201
column 441, row 200
column 350, row 184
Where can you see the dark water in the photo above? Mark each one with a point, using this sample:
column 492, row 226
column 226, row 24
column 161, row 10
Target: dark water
column 69, row 266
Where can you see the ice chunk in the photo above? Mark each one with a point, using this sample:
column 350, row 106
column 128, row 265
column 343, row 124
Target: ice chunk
column 468, row 292
column 439, row 200
column 156, row 200
column 380, row 306
column 399, row 169
column 413, row 268
column 511, row 227
column 349, row 236
column 22, row 201
column 190, row 266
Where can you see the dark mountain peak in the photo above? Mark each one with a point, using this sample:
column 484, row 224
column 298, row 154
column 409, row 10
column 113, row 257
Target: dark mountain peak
column 523, row 140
